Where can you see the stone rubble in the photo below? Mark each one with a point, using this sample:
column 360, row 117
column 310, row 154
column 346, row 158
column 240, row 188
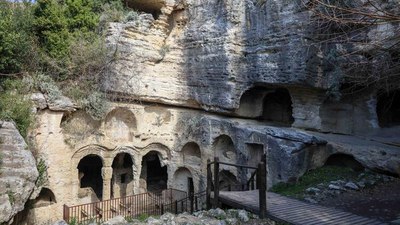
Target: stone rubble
column 336, row 187
column 210, row 217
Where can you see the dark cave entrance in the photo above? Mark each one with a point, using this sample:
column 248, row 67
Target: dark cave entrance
column 90, row 174
column 388, row 109
column 122, row 179
column 272, row 105
column 156, row 176
column 344, row 160
column 277, row 107
column 146, row 6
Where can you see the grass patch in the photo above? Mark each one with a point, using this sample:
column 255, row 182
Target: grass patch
column 313, row 178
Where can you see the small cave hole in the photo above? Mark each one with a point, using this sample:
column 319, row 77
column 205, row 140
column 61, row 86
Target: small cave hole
column 343, row 160
column 146, row 6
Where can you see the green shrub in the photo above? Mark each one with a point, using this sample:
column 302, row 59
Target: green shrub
column 132, row 16
column 42, row 169
column 14, row 105
column 112, row 11
column 96, row 105
column 48, row 86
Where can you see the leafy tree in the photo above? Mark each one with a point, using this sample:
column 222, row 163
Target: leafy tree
column 15, row 36
column 81, row 15
column 51, row 27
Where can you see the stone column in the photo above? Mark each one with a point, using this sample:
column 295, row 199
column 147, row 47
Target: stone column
column 106, row 173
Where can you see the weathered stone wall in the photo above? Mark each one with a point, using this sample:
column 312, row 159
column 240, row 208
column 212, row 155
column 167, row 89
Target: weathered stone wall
column 184, row 140
column 216, row 51
column 18, row 173
column 211, row 64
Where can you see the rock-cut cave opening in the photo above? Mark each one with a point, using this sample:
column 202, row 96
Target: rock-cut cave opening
column 152, row 7
column 90, row 174
column 267, row 104
column 277, row 107
column 156, row 176
column 122, row 175
column 388, row 109
column 344, row 160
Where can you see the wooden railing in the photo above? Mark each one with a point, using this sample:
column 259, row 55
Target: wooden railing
column 257, row 180
column 134, row 206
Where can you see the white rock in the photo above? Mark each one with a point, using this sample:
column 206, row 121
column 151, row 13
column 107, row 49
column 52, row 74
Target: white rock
column 61, row 104
column 39, row 100
column 313, row 190
column 118, row 220
column 334, row 187
column 60, row 222
column 243, row 216
column 351, row 185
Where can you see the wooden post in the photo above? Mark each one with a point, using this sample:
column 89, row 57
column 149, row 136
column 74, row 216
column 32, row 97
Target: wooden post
column 262, row 178
column 176, row 206
column 209, row 184
column 196, row 203
column 216, row 183
column 66, row 213
column 162, row 209
column 191, row 194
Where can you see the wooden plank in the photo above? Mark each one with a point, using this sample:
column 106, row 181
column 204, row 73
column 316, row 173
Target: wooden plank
column 292, row 210
column 336, row 220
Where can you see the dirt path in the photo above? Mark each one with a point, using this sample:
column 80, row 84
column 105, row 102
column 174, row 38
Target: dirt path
column 380, row 202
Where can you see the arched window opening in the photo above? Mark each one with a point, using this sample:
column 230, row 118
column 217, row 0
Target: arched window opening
column 191, row 154
column 90, row 174
column 388, row 109
column 46, row 197
column 155, row 175
column 182, row 179
column 122, row 179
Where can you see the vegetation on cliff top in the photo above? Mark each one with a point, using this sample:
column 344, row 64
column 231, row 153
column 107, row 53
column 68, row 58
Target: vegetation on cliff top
column 56, row 47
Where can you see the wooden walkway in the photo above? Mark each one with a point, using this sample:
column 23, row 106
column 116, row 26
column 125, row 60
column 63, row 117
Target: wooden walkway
column 293, row 211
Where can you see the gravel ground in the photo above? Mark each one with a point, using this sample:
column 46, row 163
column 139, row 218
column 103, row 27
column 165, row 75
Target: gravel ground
column 381, row 201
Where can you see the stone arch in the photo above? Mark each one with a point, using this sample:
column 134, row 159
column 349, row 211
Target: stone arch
column 90, row 174
column 79, row 119
column 154, row 172
column 224, row 149
column 98, row 150
column 181, row 179
column 251, row 102
column 120, row 125
column 46, row 197
column 269, row 104
column 344, row 160
column 388, row 108
column 191, row 154
column 122, row 178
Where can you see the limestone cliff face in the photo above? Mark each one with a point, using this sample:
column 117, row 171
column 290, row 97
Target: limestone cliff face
column 207, row 53
column 18, row 172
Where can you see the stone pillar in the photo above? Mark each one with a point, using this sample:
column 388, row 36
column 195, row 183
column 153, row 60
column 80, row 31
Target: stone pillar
column 106, row 173
column 306, row 105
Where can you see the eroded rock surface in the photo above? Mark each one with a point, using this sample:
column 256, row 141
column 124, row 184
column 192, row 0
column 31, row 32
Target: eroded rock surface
column 18, row 172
